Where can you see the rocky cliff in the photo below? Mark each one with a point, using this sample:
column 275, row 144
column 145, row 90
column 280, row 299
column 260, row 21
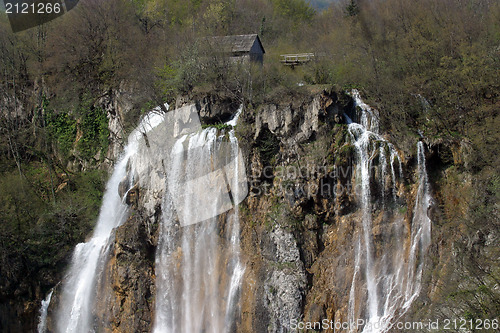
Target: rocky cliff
column 301, row 222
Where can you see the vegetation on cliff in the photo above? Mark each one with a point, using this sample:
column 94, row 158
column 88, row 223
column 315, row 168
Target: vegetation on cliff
column 430, row 67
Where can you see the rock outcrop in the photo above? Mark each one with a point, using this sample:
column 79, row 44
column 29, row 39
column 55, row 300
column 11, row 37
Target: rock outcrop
column 298, row 224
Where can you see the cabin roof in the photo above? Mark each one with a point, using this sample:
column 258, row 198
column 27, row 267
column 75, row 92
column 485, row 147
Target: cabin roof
column 237, row 43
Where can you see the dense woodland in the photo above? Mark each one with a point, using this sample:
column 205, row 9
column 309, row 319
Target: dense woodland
column 431, row 67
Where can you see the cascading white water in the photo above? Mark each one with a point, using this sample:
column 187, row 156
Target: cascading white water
column 385, row 281
column 393, row 174
column 197, row 264
column 420, row 232
column 368, row 117
column 42, row 322
column 383, row 171
column 239, row 193
column 74, row 313
column 362, row 145
column 197, row 175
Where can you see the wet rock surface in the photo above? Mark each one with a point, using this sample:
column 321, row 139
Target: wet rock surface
column 297, row 224
column 128, row 281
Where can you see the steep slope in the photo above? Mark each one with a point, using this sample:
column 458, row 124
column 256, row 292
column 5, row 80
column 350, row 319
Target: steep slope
column 338, row 225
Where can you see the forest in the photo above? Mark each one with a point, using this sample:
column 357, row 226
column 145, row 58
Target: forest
column 431, row 67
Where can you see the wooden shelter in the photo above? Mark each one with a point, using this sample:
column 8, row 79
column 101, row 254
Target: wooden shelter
column 246, row 48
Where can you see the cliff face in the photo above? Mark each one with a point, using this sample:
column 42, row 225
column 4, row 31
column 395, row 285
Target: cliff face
column 302, row 226
column 304, row 215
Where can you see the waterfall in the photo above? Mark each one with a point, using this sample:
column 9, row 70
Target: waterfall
column 198, row 267
column 42, row 323
column 393, row 174
column 199, row 179
column 383, row 172
column 362, row 144
column 367, row 117
column 74, row 313
column 387, row 274
column 420, row 231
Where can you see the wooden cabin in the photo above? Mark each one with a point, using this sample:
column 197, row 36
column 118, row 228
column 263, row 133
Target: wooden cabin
column 245, row 48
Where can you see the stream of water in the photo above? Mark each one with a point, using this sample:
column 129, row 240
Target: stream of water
column 198, row 258
column 42, row 323
column 199, row 175
column 388, row 273
column 74, row 313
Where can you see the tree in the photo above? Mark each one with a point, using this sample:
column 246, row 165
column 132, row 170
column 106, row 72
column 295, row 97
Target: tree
column 352, row 8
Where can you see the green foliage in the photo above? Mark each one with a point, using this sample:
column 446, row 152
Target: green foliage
column 177, row 10
column 319, row 72
column 341, row 135
column 189, row 71
column 217, row 15
column 167, row 82
column 61, row 128
column 268, row 145
column 273, row 82
column 19, row 207
column 394, row 49
column 352, row 8
column 344, row 154
column 69, row 220
column 94, row 128
column 280, row 214
column 218, row 126
column 37, row 234
column 297, row 10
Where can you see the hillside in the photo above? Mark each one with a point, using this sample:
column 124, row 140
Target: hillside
column 395, row 120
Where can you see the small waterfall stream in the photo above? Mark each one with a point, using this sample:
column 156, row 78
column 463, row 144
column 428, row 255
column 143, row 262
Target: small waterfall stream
column 387, row 274
column 420, row 232
column 42, row 323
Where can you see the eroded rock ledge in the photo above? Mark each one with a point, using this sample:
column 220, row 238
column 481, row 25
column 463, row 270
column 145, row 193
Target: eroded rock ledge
column 296, row 229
